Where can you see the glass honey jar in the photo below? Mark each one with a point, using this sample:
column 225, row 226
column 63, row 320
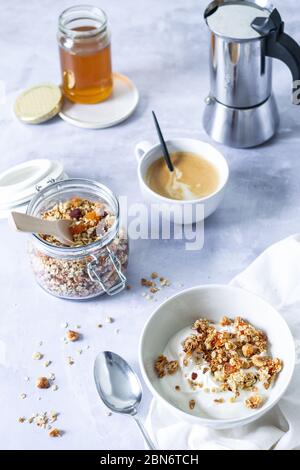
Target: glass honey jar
column 85, row 54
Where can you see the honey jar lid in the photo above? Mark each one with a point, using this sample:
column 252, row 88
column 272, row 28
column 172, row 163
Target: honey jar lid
column 38, row 104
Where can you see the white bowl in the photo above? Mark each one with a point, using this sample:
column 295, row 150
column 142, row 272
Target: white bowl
column 213, row 302
column 146, row 153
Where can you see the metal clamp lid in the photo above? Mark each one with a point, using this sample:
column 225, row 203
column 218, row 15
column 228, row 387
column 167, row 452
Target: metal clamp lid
column 95, row 277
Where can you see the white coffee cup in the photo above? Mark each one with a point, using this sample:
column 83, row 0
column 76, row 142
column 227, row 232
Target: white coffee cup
column 195, row 210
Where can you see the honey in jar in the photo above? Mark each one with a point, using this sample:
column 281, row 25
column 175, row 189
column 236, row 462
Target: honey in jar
column 85, row 55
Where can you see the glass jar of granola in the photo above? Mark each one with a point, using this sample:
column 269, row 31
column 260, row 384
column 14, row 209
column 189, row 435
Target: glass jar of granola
column 97, row 260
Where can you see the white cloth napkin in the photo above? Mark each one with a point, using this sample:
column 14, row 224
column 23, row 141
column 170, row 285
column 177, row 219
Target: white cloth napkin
column 275, row 276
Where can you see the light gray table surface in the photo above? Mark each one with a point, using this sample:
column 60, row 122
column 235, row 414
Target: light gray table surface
column 162, row 47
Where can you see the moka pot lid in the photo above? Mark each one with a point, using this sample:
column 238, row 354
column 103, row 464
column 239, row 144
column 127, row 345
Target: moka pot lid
column 233, row 19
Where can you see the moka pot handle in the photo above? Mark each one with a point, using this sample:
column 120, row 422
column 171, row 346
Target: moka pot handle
column 279, row 45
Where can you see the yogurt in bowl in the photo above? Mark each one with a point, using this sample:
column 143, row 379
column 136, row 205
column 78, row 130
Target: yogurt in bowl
column 189, row 385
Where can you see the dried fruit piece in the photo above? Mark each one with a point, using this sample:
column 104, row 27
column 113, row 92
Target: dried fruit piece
column 92, row 216
column 75, row 213
column 79, row 228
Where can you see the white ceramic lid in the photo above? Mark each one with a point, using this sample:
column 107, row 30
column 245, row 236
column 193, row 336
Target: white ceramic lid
column 233, row 20
column 20, row 183
column 110, row 112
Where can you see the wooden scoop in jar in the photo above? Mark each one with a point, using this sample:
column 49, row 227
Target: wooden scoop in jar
column 60, row 229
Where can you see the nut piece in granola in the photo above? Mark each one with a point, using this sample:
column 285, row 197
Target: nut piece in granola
column 254, row 402
column 42, row 382
column 72, row 335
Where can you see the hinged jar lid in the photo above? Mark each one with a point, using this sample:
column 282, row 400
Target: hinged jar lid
column 233, row 19
column 21, row 182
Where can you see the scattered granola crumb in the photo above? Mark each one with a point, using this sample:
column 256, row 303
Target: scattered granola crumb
column 47, row 363
column 153, row 290
column 146, row 283
column 41, row 420
column 42, row 382
column 78, row 327
column 70, row 361
column 254, row 402
column 109, row 320
column 164, row 282
column 26, row 378
column 51, row 376
column 128, row 287
column 64, row 325
column 37, row 356
column 22, row 419
column 79, row 351
column 54, row 432
column 192, row 404
column 99, row 325
column 23, row 396
column 154, row 275
column 108, row 413
column 232, row 399
column 206, row 390
column 53, row 416
column 72, row 335
column 31, row 419
column 54, row 388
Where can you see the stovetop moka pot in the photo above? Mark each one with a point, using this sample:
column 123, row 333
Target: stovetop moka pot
column 241, row 110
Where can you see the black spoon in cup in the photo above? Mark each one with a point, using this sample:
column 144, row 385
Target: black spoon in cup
column 163, row 144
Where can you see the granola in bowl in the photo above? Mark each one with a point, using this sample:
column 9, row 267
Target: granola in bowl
column 224, row 367
column 97, row 260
